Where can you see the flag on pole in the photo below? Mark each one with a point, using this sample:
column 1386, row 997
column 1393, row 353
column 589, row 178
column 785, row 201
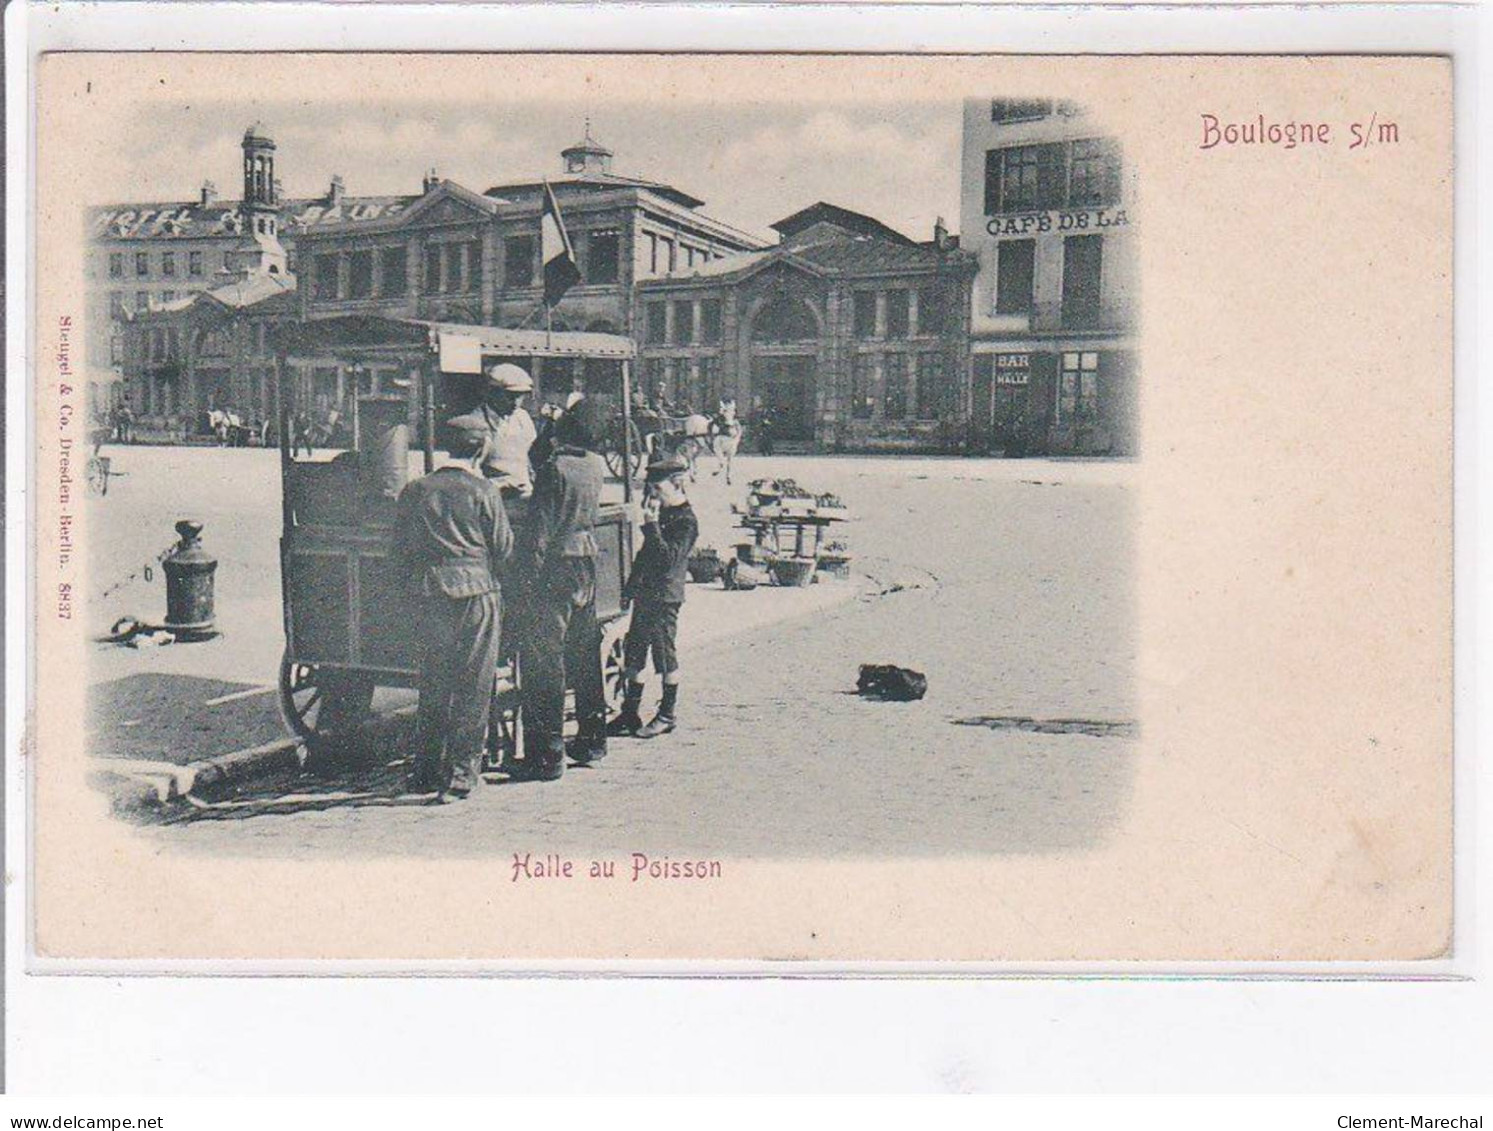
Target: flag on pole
column 560, row 271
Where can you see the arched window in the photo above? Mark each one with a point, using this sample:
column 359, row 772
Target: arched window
column 785, row 319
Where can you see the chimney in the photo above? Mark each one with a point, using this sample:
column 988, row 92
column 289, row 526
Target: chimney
column 431, row 179
column 940, row 235
column 209, row 193
column 336, row 190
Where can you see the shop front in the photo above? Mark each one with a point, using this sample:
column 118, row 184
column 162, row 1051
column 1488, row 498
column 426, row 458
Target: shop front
column 1053, row 401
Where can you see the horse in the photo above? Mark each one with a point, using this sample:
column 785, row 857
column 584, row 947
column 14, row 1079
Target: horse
column 725, row 437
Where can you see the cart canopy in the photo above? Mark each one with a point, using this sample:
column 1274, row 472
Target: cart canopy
column 460, row 346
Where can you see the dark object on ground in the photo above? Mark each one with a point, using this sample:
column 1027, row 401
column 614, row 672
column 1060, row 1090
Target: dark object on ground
column 887, row 681
column 743, row 575
column 705, row 565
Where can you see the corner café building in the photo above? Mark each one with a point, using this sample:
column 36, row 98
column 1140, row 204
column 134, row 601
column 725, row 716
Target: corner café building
column 852, row 336
column 1047, row 206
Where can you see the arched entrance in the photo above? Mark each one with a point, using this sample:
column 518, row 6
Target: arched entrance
column 785, row 355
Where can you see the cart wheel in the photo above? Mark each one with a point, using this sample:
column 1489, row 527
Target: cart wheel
column 613, row 681
column 96, row 474
column 630, row 452
column 318, row 705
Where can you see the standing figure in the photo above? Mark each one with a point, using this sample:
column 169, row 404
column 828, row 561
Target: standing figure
column 656, row 590
column 562, row 639
column 451, row 542
column 766, row 425
column 300, row 434
column 511, row 427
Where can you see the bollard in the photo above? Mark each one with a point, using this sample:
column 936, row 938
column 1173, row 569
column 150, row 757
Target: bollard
column 189, row 585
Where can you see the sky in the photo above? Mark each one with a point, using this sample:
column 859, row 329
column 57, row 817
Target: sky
column 756, row 165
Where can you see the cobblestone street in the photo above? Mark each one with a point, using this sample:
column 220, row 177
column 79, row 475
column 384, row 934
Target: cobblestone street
column 1007, row 582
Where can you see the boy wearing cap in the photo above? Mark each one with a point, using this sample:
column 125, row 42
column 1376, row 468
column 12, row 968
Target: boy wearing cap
column 512, row 428
column 451, row 541
column 656, row 590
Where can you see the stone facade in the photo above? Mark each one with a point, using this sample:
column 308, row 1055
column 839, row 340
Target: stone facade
column 845, row 336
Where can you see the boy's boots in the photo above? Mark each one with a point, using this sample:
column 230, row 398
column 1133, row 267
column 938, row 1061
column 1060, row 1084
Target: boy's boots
column 664, row 721
column 628, row 722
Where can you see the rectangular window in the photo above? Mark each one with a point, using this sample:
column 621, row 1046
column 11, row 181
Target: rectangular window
column 116, row 349
column 894, row 373
column 1019, row 109
column 116, row 265
column 708, row 390
column 897, row 314
column 228, row 261
column 518, row 261
column 393, row 271
column 602, row 257
column 474, row 265
column 652, row 253
column 1014, row 276
column 932, row 395
column 433, row 276
column 1078, row 388
column 1083, row 263
column 710, row 320
column 360, row 274
column 932, row 313
column 326, row 278
column 455, row 254
column 1019, row 179
column 1024, row 178
column 653, row 377
column 168, row 264
column 142, row 264
column 168, row 296
column 655, row 315
column 116, row 304
column 865, row 314
column 1093, row 174
column 142, row 300
column 684, row 317
column 194, row 264
column 862, row 386
column 666, row 252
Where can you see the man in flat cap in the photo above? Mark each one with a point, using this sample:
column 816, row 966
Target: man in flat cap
column 512, row 428
column 656, row 590
column 452, row 541
column 562, row 640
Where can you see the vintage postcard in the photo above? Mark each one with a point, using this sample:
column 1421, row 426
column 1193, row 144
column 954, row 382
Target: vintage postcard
column 531, row 509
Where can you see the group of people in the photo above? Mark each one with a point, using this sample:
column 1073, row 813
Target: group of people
column 472, row 576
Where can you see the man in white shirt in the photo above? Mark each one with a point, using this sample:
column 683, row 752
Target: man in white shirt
column 511, row 428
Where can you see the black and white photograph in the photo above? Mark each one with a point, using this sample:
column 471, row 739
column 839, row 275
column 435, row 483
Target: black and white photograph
column 439, row 455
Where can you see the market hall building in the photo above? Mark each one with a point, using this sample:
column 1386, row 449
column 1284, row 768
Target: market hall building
column 847, row 335
column 1046, row 204
column 459, row 256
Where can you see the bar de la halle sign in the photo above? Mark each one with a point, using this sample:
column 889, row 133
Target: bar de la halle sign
column 1035, row 223
column 1012, row 368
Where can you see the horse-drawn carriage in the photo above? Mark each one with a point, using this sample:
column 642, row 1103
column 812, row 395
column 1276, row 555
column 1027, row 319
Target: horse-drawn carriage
column 347, row 631
column 689, row 435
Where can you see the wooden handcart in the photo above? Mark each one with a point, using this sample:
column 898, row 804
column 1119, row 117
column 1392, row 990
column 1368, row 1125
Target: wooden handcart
column 347, row 627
